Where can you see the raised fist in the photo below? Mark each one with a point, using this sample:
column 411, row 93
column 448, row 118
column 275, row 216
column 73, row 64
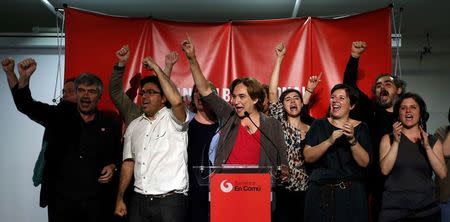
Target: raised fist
column 26, row 68
column 280, row 50
column 149, row 63
column 358, row 48
column 8, row 65
column 171, row 58
column 123, row 54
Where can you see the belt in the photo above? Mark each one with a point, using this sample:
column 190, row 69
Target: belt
column 158, row 195
column 341, row 184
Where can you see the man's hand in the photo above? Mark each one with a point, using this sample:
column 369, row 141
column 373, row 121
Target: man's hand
column 8, row 65
column 280, row 50
column 171, row 58
column 123, row 54
column 121, row 208
column 188, row 48
column 358, row 48
column 107, row 173
column 26, row 68
column 149, row 63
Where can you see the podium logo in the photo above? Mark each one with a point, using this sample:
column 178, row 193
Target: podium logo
column 226, row 186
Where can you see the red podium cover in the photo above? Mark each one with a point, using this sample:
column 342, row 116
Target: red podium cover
column 240, row 197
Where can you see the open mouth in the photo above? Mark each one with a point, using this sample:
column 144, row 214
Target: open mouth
column 85, row 102
column 384, row 95
column 335, row 108
column 409, row 117
column 239, row 109
column 145, row 103
column 293, row 108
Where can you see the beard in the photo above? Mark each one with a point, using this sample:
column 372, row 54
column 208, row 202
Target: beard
column 384, row 99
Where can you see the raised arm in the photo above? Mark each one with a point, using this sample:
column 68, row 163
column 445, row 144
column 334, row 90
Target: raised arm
column 26, row 69
column 170, row 61
column 170, row 90
column 351, row 70
column 127, row 108
column 313, row 81
column 8, row 67
column 199, row 79
column 280, row 51
column 37, row 111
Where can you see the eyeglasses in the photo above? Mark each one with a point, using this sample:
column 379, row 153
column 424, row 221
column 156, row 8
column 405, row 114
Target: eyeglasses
column 149, row 92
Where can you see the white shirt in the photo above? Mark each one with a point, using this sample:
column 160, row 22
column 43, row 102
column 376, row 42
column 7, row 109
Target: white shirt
column 159, row 150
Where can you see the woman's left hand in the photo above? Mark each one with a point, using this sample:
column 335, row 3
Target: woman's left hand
column 349, row 132
column 424, row 139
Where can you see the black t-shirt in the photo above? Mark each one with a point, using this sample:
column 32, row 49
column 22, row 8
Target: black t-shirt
column 337, row 163
column 200, row 136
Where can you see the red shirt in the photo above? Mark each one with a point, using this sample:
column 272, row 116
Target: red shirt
column 247, row 147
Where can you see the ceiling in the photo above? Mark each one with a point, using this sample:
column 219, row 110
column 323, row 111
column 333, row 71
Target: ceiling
column 418, row 17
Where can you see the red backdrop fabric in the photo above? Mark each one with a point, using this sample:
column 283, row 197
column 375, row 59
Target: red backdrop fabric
column 227, row 50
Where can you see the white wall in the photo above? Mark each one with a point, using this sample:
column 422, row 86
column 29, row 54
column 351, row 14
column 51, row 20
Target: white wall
column 21, row 139
column 430, row 77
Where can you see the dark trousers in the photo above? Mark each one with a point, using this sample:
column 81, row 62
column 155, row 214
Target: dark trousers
column 145, row 208
column 289, row 206
column 428, row 214
column 198, row 204
column 62, row 209
column 325, row 203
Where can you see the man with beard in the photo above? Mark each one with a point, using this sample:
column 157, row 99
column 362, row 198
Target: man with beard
column 378, row 113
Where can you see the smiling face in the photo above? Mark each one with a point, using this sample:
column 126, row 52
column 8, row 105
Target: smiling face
column 409, row 113
column 242, row 101
column 292, row 104
column 386, row 92
column 87, row 97
column 152, row 100
column 340, row 104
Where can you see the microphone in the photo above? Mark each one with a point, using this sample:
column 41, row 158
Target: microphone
column 202, row 168
column 246, row 114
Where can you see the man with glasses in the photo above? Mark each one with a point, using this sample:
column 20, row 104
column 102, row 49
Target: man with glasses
column 127, row 108
column 155, row 149
column 83, row 146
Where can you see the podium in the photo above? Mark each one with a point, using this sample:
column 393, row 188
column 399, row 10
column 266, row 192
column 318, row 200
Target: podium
column 238, row 193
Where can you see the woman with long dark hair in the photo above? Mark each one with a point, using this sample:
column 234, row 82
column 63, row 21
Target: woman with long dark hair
column 408, row 157
column 289, row 109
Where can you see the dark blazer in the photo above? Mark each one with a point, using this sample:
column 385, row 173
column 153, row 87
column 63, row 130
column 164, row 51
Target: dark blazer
column 76, row 151
column 269, row 156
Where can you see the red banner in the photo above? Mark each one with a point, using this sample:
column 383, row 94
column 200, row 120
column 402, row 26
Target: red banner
column 232, row 49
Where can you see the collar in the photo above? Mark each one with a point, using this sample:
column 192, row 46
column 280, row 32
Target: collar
column 158, row 115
